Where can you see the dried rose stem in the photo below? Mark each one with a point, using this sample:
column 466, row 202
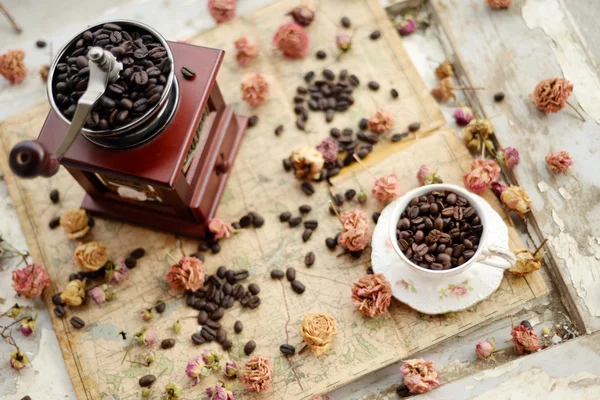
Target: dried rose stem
column 173, row 258
column 576, row 110
column 303, row 349
column 467, row 88
column 336, row 212
column 540, row 247
column 12, row 21
column 571, row 175
column 364, row 166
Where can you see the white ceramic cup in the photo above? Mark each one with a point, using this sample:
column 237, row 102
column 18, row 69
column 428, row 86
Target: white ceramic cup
column 493, row 256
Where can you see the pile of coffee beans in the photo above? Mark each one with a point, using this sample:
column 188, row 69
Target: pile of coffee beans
column 146, row 67
column 290, row 275
column 439, row 230
column 310, row 225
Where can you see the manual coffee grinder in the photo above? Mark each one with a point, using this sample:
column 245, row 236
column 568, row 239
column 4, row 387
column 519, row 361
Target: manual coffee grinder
column 164, row 167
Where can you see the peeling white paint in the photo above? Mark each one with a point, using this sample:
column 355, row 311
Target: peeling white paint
column 542, row 186
column 558, row 220
column 564, row 193
column 498, row 371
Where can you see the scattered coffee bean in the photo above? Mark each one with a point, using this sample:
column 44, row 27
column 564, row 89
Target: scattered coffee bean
column 221, row 336
column 363, row 124
column 331, row 243
column 402, row 391
column 370, row 271
column 346, row 23
column 60, row 311
column 91, row 221
column 375, row 35
column 138, row 253
column 208, row 333
column 375, row 216
column 238, row 327
column 321, row 55
column 249, row 347
column 309, row 76
column 394, row 93
column 298, row 287
column 335, row 133
column 354, row 81
column 199, row 256
column 292, row 222
column 217, row 315
column 54, row 222
column 77, row 322
column 57, row 300
column 373, row 85
column 285, row 216
column 307, row 188
column 147, row 380
column 254, row 288
column 246, row 220
column 311, row 224
column 309, row 259
column 26, row 398
column 130, row 262
column 307, row 234
column 526, row 324
column 277, row 274
column 215, row 248
column 279, row 130
column 167, row 344
column 40, row 44
column 415, row 126
column 160, row 307
column 227, row 345
column 54, row 196
column 498, row 97
column 350, row 193
column 197, row 339
column 257, row 220
column 396, row 137
column 290, row 274
column 252, row 121
column 287, row 349
column 305, row 209
column 188, row 73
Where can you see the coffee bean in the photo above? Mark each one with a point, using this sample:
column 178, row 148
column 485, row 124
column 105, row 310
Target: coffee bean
column 54, row 222
column 498, row 97
column 279, row 130
column 394, row 93
column 321, row 55
column 415, row 126
column 277, row 274
column 345, row 21
column 147, row 380
column 208, row 333
column 197, row 339
column 311, row 224
column 215, row 248
column 309, row 76
column 375, row 35
column 138, row 253
column 292, row 222
column 167, row 344
column 253, row 288
column 353, row 79
column 258, row 221
column 290, row 274
column 287, row 349
column 331, row 243
column 249, row 347
column 187, row 73
column 526, row 324
column 130, row 262
column 202, row 317
column 221, row 336
column 160, row 307
column 298, row 287
column 238, row 327
column 77, row 322
column 373, row 85
column 307, row 188
column 214, row 325
column 305, row 209
column 307, row 234
column 217, row 315
column 60, row 311
column 227, row 345
column 309, row 259
column 54, row 196
column 252, row 121
column 335, row 133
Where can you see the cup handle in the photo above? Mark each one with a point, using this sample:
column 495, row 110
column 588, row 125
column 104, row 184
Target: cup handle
column 497, row 257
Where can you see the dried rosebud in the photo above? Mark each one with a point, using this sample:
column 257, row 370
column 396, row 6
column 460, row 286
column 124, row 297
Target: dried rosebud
column 246, row 51
column 16, row 311
column 527, row 262
column 551, row 95
column 343, row 42
column 308, row 162
column 318, row 332
column 44, row 71
column 499, row 3
column 149, row 358
column 485, row 349
column 146, row 337
column 386, row 188
column 12, row 66
column 231, row 370
column 188, row 274
column 195, row 369
column 18, row 360
column 173, row 392
column 119, row 272
column 291, row 39
column 427, row 175
column 481, row 175
column 525, row 339
column 177, row 327
column 559, row 162
column 407, row 27
column 372, row 295
column 382, row 121
column 219, row 393
column 361, row 198
column 444, row 70
column 30, row 280
column 463, row 116
column 257, row 374
column 220, row 228
column 420, row 376
column 146, row 392
column 510, row 157
column 329, row 148
column 147, row 314
column 28, row 326
column 498, row 187
column 255, row 89
column 211, row 359
column 303, row 15
column 444, row 90
column 98, row 295
column 222, row 10
column 74, row 294
column 477, row 130
column 516, row 199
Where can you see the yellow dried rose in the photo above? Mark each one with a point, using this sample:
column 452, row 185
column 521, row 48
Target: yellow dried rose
column 318, row 332
column 444, row 70
column 527, row 262
column 91, row 256
column 444, row 90
column 308, row 162
column 75, row 223
column 516, row 199
column 74, row 293
column 476, row 130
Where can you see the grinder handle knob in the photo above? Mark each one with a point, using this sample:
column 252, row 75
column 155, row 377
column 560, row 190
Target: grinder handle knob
column 30, row 159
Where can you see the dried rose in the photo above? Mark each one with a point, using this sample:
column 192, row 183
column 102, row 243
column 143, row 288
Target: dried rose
column 30, row 280
column 195, row 369
column 481, row 175
column 551, row 95
column 444, row 70
column 231, row 370
column 255, row 89
column 510, row 157
column 18, row 360
column 355, row 239
column 146, row 392
column 173, row 392
column 407, row 27
column 303, row 15
column 28, row 326
column 98, row 295
column 12, row 66
column 372, row 295
column 219, row 393
column 527, row 262
column 146, row 337
column 427, row 175
column 499, row 3
column 444, row 90
column 559, row 162
column 386, row 188
column 485, row 349
column 462, row 116
column 308, row 162
column 211, row 359
column 420, row 376
column 498, row 187
column 516, row 199
column 525, row 339
column 318, row 332
column 149, row 358
column 220, row 228
column 187, row 275
column 15, row 311
column 361, row 197
column 75, row 223
column 382, row 121
column 257, row 374
column 222, row 10
column 343, row 42
column 91, row 256
column 246, row 51
column 354, row 219
column 147, row 314
column 120, row 271
column 291, row 39
column 177, row 327
column 477, row 130
column 74, row 294
column 319, row 397
column 329, row 148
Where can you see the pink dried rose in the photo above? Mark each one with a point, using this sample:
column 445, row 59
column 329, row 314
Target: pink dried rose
column 386, row 188
column 559, row 162
column 343, row 42
column 195, row 369
column 146, row 337
column 463, row 116
column 219, row 393
column 329, row 149
column 30, row 280
column 18, row 360
column 525, row 339
column 12, row 66
column 291, row 39
column 485, row 349
column 427, row 175
column 382, row 121
column 120, row 271
column 372, row 295
column 187, row 275
column 303, row 15
column 407, row 27
column 255, row 89
column 147, row 314
column 220, row 228
column 420, row 376
column 499, row 3
column 355, row 239
column 510, row 157
column 354, row 219
column 257, row 374
column 222, row 10
column 319, row 397
column 231, row 370
column 98, row 295
column 246, row 51
column 516, row 199
column 481, row 175
column 498, row 187
column 28, row 326
column 551, row 95
column 211, row 359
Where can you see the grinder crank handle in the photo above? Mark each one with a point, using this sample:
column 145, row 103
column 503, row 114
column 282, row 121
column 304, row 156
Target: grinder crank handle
column 30, row 159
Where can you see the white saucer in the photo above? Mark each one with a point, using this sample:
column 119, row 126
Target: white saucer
column 437, row 295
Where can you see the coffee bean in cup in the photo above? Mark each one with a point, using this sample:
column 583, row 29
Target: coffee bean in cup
column 439, row 230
